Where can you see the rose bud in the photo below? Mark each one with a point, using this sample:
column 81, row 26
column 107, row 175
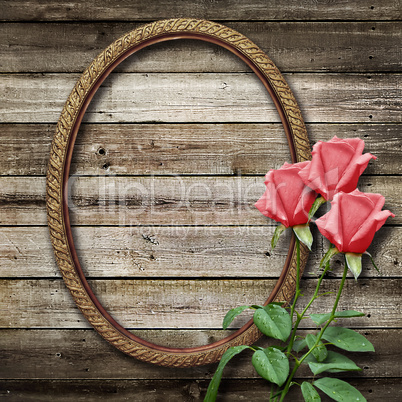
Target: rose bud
column 336, row 166
column 288, row 200
column 352, row 222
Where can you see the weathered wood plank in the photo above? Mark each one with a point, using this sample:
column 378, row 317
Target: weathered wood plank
column 230, row 97
column 167, row 200
column 81, row 354
column 160, row 149
column 373, row 389
column 202, row 303
column 28, row 10
column 139, row 252
column 294, row 46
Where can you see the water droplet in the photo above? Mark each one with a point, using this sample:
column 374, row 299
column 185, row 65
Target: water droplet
column 363, row 344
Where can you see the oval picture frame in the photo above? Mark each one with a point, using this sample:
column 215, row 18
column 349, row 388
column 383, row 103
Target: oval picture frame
column 59, row 168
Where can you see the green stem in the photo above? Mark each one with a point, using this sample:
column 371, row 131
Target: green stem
column 297, row 293
column 331, row 318
column 300, row 316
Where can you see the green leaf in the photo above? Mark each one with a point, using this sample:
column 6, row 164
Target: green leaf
column 320, row 352
column 273, row 321
column 309, row 392
column 339, row 390
column 257, row 306
column 278, row 231
column 303, row 233
column 216, row 379
column 299, row 345
column 272, row 365
column 354, row 262
column 309, row 359
column 321, row 318
column 317, row 203
column 334, row 363
column 347, row 339
column 329, row 254
column 232, row 314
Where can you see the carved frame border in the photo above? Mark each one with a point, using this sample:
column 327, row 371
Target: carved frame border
column 59, row 168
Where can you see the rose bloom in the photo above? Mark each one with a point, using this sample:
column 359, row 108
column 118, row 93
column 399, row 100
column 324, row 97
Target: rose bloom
column 352, row 221
column 336, row 166
column 286, row 199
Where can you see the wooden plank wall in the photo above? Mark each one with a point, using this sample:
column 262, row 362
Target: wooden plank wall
column 167, row 166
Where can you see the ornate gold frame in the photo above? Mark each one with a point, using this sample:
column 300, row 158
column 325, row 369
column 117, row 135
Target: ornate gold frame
column 59, row 167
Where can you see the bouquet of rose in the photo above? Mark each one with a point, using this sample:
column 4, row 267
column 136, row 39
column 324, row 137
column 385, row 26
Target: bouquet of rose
column 291, row 199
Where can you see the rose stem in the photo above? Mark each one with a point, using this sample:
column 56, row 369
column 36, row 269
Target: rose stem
column 332, row 316
column 300, row 316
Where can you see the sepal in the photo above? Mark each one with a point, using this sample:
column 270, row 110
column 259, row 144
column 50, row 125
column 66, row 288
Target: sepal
column 317, row 203
column 329, row 254
column 372, row 261
column 304, row 234
column 278, row 231
column 354, row 262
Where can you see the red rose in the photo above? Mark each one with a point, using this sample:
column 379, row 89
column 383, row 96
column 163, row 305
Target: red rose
column 352, row 221
column 286, row 199
column 336, row 166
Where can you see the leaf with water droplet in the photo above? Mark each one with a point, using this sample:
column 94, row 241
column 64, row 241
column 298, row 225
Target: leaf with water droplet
column 339, row 390
column 320, row 352
column 272, row 365
column 309, row 392
column 232, row 314
column 273, row 321
column 347, row 339
column 334, row 363
column 321, row 318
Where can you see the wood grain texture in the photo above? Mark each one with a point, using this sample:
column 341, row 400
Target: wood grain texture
column 140, row 252
column 160, row 149
column 347, row 50
column 294, row 46
column 229, row 97
column 166, row 200
column 78, row 354
column 184, row 303
column 125, row 10
column 374, row 389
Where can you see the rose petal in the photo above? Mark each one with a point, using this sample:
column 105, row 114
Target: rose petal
column 363, row 238
column 355, row 209
column 336, row 166
column 265, row 206
column 350, row 177
column 336, row 156
column 353, row 220
column 313, row 176
column 286, row 199
column 306, row 200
